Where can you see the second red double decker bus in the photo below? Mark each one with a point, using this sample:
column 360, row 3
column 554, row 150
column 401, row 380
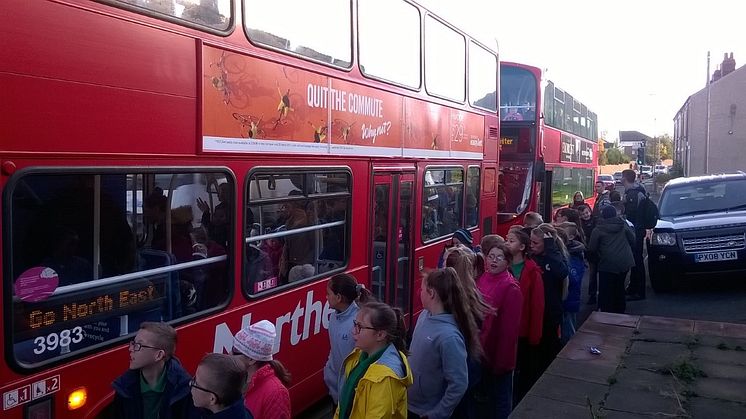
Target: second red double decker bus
column 548, row 146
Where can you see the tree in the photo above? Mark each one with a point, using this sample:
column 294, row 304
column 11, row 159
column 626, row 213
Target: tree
column 659, row 147
column 615, row 156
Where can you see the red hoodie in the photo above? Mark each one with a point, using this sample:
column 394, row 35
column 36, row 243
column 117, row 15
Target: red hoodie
column 499, row 333
column 266, row 397
column 532, row 315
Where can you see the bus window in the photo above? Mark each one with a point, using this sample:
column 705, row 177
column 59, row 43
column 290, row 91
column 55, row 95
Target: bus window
column 514, row 187
column 298, row 226
column 566, row 181
column 482, row 80
column 96, row 254
column 442, row 202
column 214, row 14
column 392, row 58
column 321, row 31
column 444, row 45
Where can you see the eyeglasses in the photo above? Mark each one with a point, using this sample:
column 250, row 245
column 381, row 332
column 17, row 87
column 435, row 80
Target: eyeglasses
column 358, row 326
column 136, row 346
column 193, row 384
column 498, row 258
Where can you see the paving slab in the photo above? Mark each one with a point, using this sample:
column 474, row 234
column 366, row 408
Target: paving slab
column 666, row 323
column 646, row 381
column 701, row 407
column 570, row 390
column 642, row 401
column 656, row 335
column 710, row 354
column 611, row 347
column 613, row 414
column 595, row 371
column 532, row 407
column 737, row 373
column 607, row 329
column 662, row 349
column 718, row 388
column 725, row 342
column 625, row 320
column 735, row 330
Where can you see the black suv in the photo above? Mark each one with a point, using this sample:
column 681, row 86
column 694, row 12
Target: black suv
column 701, row 230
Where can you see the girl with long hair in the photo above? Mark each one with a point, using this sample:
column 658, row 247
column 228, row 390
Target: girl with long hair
column 463, row 260
column 375, row 376
column 342, row 293
column 550, row 253
column 445, row 332
column 499, row 334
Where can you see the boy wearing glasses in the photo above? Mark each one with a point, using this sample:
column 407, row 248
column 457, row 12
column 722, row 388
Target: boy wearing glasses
column 156, row 385
column 218, row 387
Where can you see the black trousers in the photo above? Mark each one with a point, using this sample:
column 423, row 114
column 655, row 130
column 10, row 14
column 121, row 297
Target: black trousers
column 611, row 297
column 638, row 277
column 592, row 279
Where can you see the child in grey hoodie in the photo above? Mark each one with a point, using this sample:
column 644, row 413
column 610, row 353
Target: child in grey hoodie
column 446, row 330
column 342, row 293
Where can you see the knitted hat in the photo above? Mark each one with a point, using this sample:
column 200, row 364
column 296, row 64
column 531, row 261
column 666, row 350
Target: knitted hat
column 256, row 341
column 464, row 236
column 608, row 211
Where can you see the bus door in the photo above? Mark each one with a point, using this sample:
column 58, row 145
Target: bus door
column 391, row 255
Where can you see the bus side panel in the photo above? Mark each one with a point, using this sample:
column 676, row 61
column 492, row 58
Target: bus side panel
column 112, row 82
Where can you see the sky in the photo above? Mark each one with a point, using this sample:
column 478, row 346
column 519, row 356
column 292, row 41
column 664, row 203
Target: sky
column 633, row 62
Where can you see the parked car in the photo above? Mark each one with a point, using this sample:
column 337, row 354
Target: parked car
column 701, row 230
column 660, row 169
column 646, row 172
column 618, row 178
column 608, row 181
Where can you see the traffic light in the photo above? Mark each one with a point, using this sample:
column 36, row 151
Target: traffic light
column 641, row 155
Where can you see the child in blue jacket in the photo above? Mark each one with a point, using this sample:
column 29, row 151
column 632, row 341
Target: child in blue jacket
column 576, row 265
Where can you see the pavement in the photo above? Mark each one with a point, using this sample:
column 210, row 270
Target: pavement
column 648, row 366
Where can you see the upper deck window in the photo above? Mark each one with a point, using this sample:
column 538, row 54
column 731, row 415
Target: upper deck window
column 214, row 14
column 445, row 61
column 517, row 94
column 392, row 57
column 321, row 31
column 482, row 78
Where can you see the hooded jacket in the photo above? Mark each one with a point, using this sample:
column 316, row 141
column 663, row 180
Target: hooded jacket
column 576, row 265
column 177, row 397
column 266, row 396
column 532, row 313
column 613, row 241
column 382, row 391
column 438, row 361
column 554, row 271
column 340, row 339
column 500, row 329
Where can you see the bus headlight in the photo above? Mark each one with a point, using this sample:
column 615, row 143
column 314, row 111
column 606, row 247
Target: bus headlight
column 77, row 398
column 664, row 239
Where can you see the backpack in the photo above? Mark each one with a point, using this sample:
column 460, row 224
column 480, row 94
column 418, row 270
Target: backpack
column 645, row 213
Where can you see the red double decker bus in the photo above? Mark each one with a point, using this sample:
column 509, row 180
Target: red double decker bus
column 548, row 146
column 211, row 163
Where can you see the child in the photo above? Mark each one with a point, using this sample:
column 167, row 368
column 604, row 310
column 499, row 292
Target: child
column 445, row 332
column 461, row 237
column 267, row 396
column 532, row 219
column 488, row 242
column 342, row 293
column 550, row 254
column 499, row 334
column 613, row 240
column 528, row 275
column 218, row 385
column 589, row 224
column 375, row 376
column 576, row 265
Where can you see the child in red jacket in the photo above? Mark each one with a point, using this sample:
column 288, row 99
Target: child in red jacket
column 500, row 329
column 528, row 274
